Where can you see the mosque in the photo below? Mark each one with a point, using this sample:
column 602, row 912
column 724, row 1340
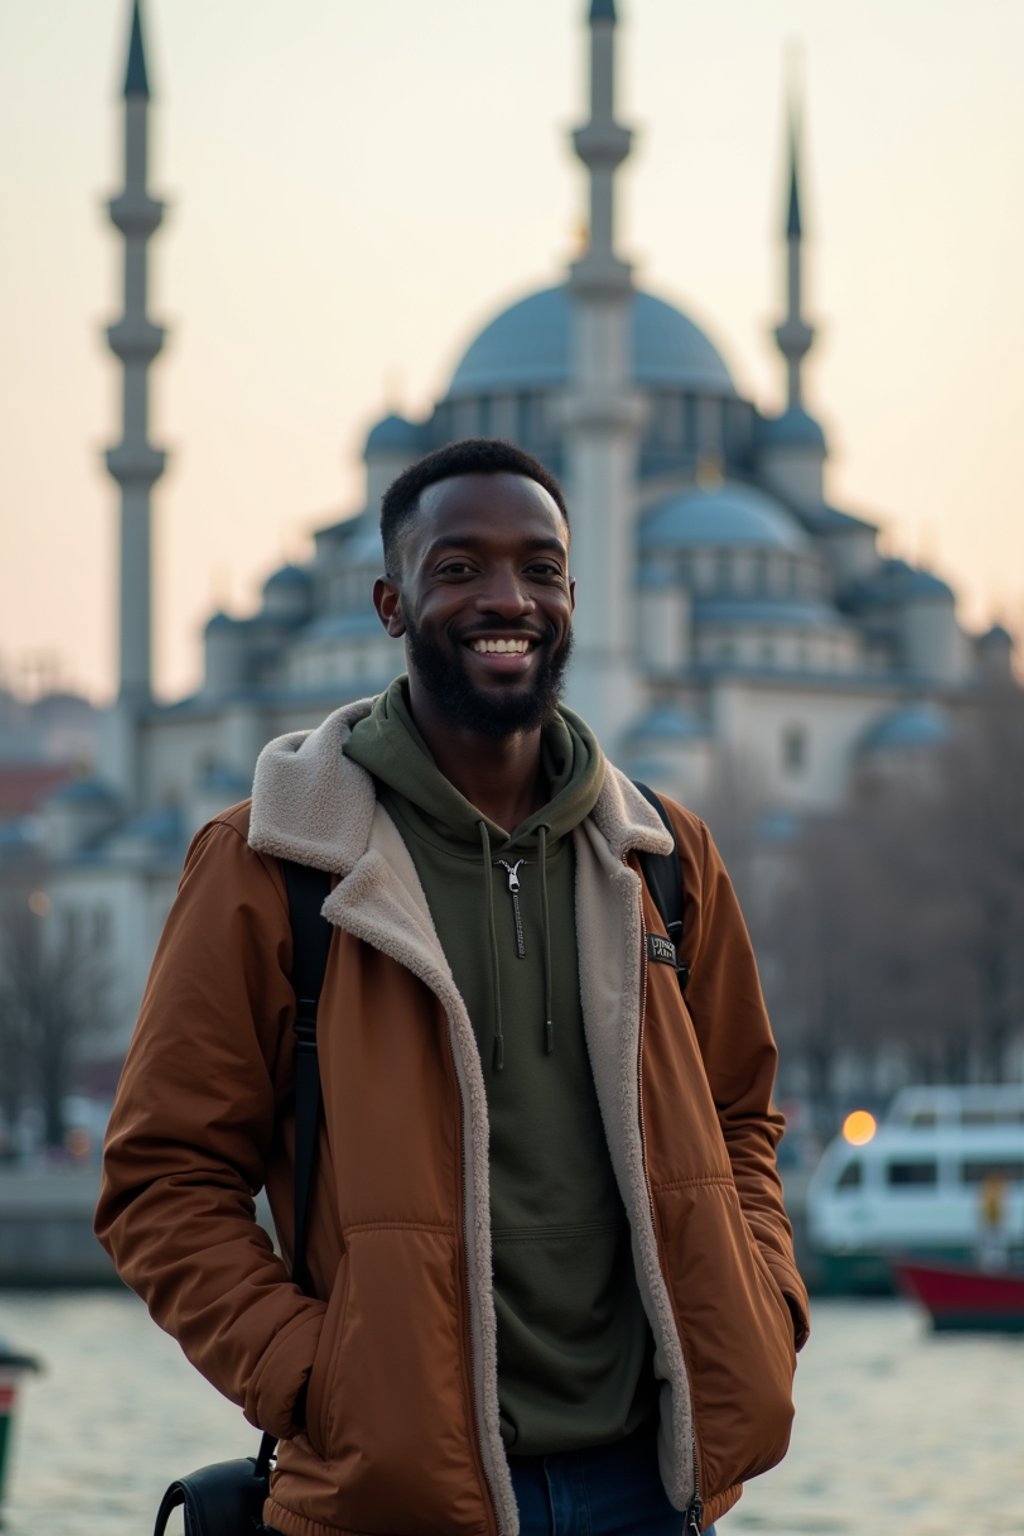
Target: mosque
column 729, row 612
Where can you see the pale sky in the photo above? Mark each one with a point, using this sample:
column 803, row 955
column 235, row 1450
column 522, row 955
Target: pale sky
column 356, row 188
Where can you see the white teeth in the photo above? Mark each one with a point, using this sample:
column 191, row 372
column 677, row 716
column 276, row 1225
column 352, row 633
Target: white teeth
column 501, row 647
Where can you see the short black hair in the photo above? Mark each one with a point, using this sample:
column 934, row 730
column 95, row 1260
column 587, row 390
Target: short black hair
column 470, row 456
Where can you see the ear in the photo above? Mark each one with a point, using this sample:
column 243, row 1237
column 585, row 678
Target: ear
column 387, row 599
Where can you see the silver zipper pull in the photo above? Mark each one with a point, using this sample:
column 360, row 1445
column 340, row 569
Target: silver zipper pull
column 512, row 870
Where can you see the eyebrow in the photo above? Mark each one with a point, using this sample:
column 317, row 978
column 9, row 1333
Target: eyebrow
column 473, row 541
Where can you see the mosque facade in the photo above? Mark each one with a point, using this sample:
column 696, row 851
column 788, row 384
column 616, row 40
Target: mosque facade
column 729, row 612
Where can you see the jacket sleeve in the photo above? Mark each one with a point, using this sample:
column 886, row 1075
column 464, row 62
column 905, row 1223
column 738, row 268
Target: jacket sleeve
column 727, row 1006
column 192, row 1126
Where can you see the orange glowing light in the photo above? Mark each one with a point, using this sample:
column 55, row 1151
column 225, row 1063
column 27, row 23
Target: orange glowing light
column 859, row 1127
column 78, row 1142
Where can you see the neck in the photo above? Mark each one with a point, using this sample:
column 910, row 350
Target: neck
column 502, row 777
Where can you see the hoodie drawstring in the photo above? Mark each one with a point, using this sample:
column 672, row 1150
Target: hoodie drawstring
column 499, row 1038
column 549, row 1023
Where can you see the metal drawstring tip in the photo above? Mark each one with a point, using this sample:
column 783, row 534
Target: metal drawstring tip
column 499, row 1053
column 549, row 1036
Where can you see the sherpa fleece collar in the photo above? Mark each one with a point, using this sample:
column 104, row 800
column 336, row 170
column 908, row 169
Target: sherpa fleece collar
column 313, row 805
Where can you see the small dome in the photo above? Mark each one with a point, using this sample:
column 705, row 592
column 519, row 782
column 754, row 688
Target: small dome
column 734, row 514
column 162, row 828
column 668, row 723
column 393, row 433
column 897, row 582
column 288, row 577
column 363, row 547
column 916, row 726
column 83, row 794
column 219, row 779
column 220, row 621
column 793, row 429
column 529, row 346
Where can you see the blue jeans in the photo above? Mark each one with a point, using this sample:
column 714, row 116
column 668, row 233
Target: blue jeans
column 612, row 1490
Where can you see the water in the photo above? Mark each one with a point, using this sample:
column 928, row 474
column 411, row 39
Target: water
column 897, row 1431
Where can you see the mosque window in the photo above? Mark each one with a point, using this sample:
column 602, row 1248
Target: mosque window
column 767, row 653
column 760, row 572
column 723, row 570
column 690, row 422
column 794, row 749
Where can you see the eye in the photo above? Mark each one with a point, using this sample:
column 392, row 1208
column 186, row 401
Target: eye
column 550, row 570
column 456, row 567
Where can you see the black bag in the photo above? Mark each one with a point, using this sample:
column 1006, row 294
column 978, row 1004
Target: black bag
column 226, row 1499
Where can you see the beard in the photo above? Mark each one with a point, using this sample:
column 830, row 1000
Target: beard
column 495, row 712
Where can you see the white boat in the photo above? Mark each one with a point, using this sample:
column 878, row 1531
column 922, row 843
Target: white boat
column 915, row 1186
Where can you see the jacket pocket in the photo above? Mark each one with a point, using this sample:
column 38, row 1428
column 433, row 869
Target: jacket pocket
column 735, row 1329
column 322, row 1369
column 389, row 1402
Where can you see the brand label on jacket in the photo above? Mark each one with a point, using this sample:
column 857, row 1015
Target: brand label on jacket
column 660, row 948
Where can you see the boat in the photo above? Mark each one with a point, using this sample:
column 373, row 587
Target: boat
column 964, row 1298
column 913, row 1186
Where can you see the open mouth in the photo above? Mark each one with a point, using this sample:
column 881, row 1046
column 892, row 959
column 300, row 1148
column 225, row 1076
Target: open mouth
column 502, row 653
column 501, row 647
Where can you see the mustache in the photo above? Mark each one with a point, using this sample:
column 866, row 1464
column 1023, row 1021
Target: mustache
column 508, row 631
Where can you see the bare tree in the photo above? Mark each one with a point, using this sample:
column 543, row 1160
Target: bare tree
column 55, row 1001
column 896, row 928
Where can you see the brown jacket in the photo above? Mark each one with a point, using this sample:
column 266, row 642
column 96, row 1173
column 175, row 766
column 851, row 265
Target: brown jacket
column 398, row 1343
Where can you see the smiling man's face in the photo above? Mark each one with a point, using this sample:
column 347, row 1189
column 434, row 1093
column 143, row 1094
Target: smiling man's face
column 484, row 601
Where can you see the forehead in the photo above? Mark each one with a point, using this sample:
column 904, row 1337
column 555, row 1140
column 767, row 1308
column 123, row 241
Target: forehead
column 500, row 508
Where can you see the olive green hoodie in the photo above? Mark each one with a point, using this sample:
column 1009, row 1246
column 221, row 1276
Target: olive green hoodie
column 573, row 1342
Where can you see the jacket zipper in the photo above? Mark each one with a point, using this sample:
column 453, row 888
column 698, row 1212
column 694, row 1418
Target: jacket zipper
column 694, row 1512
column 467, row 1351
column 512, row 870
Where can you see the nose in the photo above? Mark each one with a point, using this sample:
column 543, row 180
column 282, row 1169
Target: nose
column 505, row 593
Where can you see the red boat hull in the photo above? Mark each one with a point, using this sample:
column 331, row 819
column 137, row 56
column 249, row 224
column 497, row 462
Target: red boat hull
column 960, row 1298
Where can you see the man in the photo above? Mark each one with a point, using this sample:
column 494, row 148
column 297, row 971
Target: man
column 554, row 1283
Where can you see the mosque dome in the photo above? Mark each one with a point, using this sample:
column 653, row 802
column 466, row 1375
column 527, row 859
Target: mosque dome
column 793, row 429
column 898, row 582
column 528, row 346
column 394, row 433
column 916, row 726
column 287, row 578
column 732, row 514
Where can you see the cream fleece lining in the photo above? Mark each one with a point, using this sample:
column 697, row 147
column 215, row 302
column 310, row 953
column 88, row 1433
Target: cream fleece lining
column 313, row 805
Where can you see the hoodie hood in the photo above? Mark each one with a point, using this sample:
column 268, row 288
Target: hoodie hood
column 312, row 804
column 388, row 744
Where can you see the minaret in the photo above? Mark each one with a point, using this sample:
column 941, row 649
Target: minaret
column 134, row 462
column 793, row 449
column 602, row 418
column 794, row 336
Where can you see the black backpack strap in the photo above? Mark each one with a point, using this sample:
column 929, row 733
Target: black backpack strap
column 662, row 879
column 311, row 937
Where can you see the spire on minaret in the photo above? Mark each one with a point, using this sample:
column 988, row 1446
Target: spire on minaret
column 136, row 81
column 793, row 229
column 602, row 144
column 794, row 336
column 135, row 341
